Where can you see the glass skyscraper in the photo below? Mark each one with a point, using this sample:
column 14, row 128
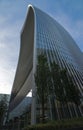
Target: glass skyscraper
column 42, row 34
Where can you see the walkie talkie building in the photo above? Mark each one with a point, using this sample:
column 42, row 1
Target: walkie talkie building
column 41, row 33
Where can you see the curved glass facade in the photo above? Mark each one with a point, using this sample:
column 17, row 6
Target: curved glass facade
column 42, row 34
column 59, row 46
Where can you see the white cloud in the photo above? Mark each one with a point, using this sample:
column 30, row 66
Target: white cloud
column 9, row 51
column 6, row 77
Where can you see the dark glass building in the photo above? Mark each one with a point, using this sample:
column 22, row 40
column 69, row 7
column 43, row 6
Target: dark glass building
column 41, row 33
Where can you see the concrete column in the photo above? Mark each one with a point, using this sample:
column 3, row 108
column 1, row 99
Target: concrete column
column 33, row 108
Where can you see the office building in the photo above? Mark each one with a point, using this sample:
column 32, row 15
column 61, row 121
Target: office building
column 41, row 33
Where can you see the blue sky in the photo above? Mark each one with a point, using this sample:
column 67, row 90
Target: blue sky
column 69, row 13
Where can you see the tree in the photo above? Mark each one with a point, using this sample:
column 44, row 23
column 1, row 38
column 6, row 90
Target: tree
column 72, row 92
column 3, row 108
column 54, row 81
column 57, row 82
column 41, row 80
column 65, row 90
